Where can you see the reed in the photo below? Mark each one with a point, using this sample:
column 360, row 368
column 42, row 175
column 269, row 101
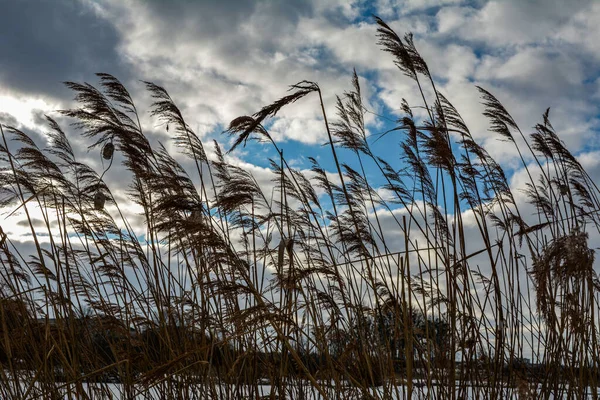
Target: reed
column 317, row 287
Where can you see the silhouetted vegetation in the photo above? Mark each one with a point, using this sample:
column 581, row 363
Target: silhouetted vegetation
column 426, row 272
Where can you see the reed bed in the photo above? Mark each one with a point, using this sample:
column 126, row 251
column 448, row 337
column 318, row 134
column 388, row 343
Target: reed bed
column 424, row 275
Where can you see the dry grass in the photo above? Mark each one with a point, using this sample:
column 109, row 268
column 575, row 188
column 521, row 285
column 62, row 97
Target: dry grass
column 310, row 288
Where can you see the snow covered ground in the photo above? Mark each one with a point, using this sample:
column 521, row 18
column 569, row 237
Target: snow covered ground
column 106, row 391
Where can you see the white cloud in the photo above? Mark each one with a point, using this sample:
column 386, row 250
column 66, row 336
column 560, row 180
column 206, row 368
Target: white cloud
column 389, row 8
column 582, row 30
column 513, row 23
column 24, row 111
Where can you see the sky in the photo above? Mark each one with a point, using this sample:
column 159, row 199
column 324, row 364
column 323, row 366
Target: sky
column 223, row 59
column 220, row 60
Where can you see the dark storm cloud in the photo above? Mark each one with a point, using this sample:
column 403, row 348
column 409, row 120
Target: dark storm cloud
column 43, row 43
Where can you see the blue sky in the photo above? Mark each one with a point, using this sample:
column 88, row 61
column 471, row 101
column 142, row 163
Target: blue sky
column 220, row 60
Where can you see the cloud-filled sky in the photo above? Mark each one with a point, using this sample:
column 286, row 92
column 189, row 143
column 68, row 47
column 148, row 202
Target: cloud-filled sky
column 227, row 58
column 223, row 59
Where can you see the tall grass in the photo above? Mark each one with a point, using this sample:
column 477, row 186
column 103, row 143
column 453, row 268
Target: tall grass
column 422, row 274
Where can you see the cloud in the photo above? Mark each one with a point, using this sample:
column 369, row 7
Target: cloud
column 24, row 111
column 45, row 43
column 530, row 55
column 231, row 59
column 509, row 23
column 582, row 29
column 225, row 59
column 8, row 119
column 390, row 8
